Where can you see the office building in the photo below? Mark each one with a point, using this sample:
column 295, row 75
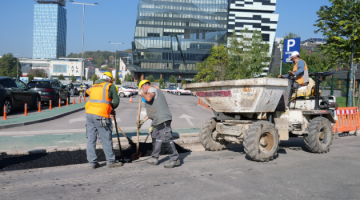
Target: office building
column 49, row 40
column 172, row 36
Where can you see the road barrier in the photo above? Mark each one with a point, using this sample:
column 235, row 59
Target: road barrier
column 50, row 105
column 25, row 109
column 5, row 117
column 39, row 106
column 347, row 120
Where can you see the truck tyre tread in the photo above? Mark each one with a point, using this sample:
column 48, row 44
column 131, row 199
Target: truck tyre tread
column 252, row 139
column 206, row 139
column 312, row 141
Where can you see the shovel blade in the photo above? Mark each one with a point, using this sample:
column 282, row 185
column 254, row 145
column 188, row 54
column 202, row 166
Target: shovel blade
column 135, row 156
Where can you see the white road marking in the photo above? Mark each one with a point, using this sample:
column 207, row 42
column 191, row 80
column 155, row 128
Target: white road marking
column 80, row 119
column 64, row 134
column 187, row 117
column 23, row 136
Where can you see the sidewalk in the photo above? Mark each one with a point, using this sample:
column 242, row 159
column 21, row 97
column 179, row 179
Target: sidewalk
column 43, row 116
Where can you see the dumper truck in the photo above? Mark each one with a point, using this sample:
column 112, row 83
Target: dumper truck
column 261, row 112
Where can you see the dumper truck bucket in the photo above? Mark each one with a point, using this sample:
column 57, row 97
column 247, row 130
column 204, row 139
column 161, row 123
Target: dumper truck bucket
column 241, row 96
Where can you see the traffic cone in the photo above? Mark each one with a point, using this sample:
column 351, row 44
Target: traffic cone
column 25, row 112
column 130, row 99
column 5, row 117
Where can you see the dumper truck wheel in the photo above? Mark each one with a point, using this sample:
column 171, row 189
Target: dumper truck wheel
column 209, row 136
column 320, row 135
column 261, row 141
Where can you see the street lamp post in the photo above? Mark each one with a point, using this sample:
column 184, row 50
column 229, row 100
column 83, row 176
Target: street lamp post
column 82, row 46
column 116, row 70
column 17, row 65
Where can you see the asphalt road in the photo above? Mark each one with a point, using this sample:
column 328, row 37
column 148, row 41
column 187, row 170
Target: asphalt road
column 186, row 114
column 295, row 174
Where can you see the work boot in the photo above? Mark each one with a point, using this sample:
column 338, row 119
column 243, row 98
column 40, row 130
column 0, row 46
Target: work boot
column 113, row 165
column 152, row 161
column 172, row 163
column 91, row 166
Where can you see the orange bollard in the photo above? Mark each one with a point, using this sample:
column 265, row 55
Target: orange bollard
column 79, row 99
column 207, row 106
column 204, row 104
column 84, row 98
column 25, row 112
column 5, row 117
column 50, row 105
column 130, row 99
column 39, row 106
column 74, row 101
column 59, row 103
column 199, row 101
column 211, row 109
column 67, row 101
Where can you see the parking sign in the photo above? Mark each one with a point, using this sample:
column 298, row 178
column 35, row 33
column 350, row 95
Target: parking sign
column 290, row 45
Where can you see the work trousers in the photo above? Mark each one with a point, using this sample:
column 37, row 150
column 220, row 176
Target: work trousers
column 93, row 127
column 163, row 134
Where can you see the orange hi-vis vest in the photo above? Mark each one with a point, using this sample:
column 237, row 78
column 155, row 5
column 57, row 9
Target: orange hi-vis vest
column 99, row 103
column 305, row 77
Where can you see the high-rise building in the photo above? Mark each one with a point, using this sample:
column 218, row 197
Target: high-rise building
column 254, row 15
column 49, row 29
column 172, row 36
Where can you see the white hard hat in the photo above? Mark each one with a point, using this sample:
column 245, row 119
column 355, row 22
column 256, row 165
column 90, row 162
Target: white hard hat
column 295, row 53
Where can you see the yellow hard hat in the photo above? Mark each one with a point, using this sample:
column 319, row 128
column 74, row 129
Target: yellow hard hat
column 109, row 74
column 117, row 89
column 143, row 82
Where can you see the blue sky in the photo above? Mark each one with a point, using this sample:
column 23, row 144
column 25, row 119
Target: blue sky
column 114, row 20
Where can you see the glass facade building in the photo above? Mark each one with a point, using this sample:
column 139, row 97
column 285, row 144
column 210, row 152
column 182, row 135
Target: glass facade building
column 49, row 30
column 171, row 36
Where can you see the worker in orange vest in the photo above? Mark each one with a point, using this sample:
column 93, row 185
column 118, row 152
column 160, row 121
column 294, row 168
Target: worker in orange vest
column 300, row 71
column 103, row 101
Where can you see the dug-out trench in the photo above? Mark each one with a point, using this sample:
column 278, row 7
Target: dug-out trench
column 60, row 158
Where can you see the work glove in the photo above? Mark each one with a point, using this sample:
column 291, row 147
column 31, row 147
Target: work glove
column 113, row 112
column 141, row 91
column 141, row 122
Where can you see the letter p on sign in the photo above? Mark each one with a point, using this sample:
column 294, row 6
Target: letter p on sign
column 290, row 43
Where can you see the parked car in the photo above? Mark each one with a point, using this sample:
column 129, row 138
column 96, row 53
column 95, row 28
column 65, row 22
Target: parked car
column 172, row 89
column 124, row 91
column 14, row 94
column 50, row 89
column 77, row 88
column 135, row 91
column 179, row 91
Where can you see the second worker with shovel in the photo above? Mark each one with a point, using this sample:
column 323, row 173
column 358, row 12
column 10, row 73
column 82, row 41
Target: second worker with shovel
column 158, row 111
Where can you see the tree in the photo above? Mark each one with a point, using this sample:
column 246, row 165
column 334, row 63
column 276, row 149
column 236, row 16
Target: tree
column 30, row 76
column 216, row 65
column 248, row 55
column 128, row 78
column 111, row 58
column 61, row 77
column 151, row 78
column 94, row 78
column 84, row 78
column 8, row 65
column 183, row 82
column 340, row 24
column 162, row 83
column 73, row 78
column 172, row 79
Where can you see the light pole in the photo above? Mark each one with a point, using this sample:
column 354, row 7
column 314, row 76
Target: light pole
column 116, row 70
column 17, row 65
column 82, row 46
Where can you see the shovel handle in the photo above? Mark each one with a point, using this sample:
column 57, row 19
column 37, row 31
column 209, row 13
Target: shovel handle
column 138, row 129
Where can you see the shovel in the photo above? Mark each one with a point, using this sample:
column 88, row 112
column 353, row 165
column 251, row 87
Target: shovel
column 137, row 154
column 129, row 140
column 117, row 133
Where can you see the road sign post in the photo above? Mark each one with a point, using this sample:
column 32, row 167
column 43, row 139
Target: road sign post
column 290, row 45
